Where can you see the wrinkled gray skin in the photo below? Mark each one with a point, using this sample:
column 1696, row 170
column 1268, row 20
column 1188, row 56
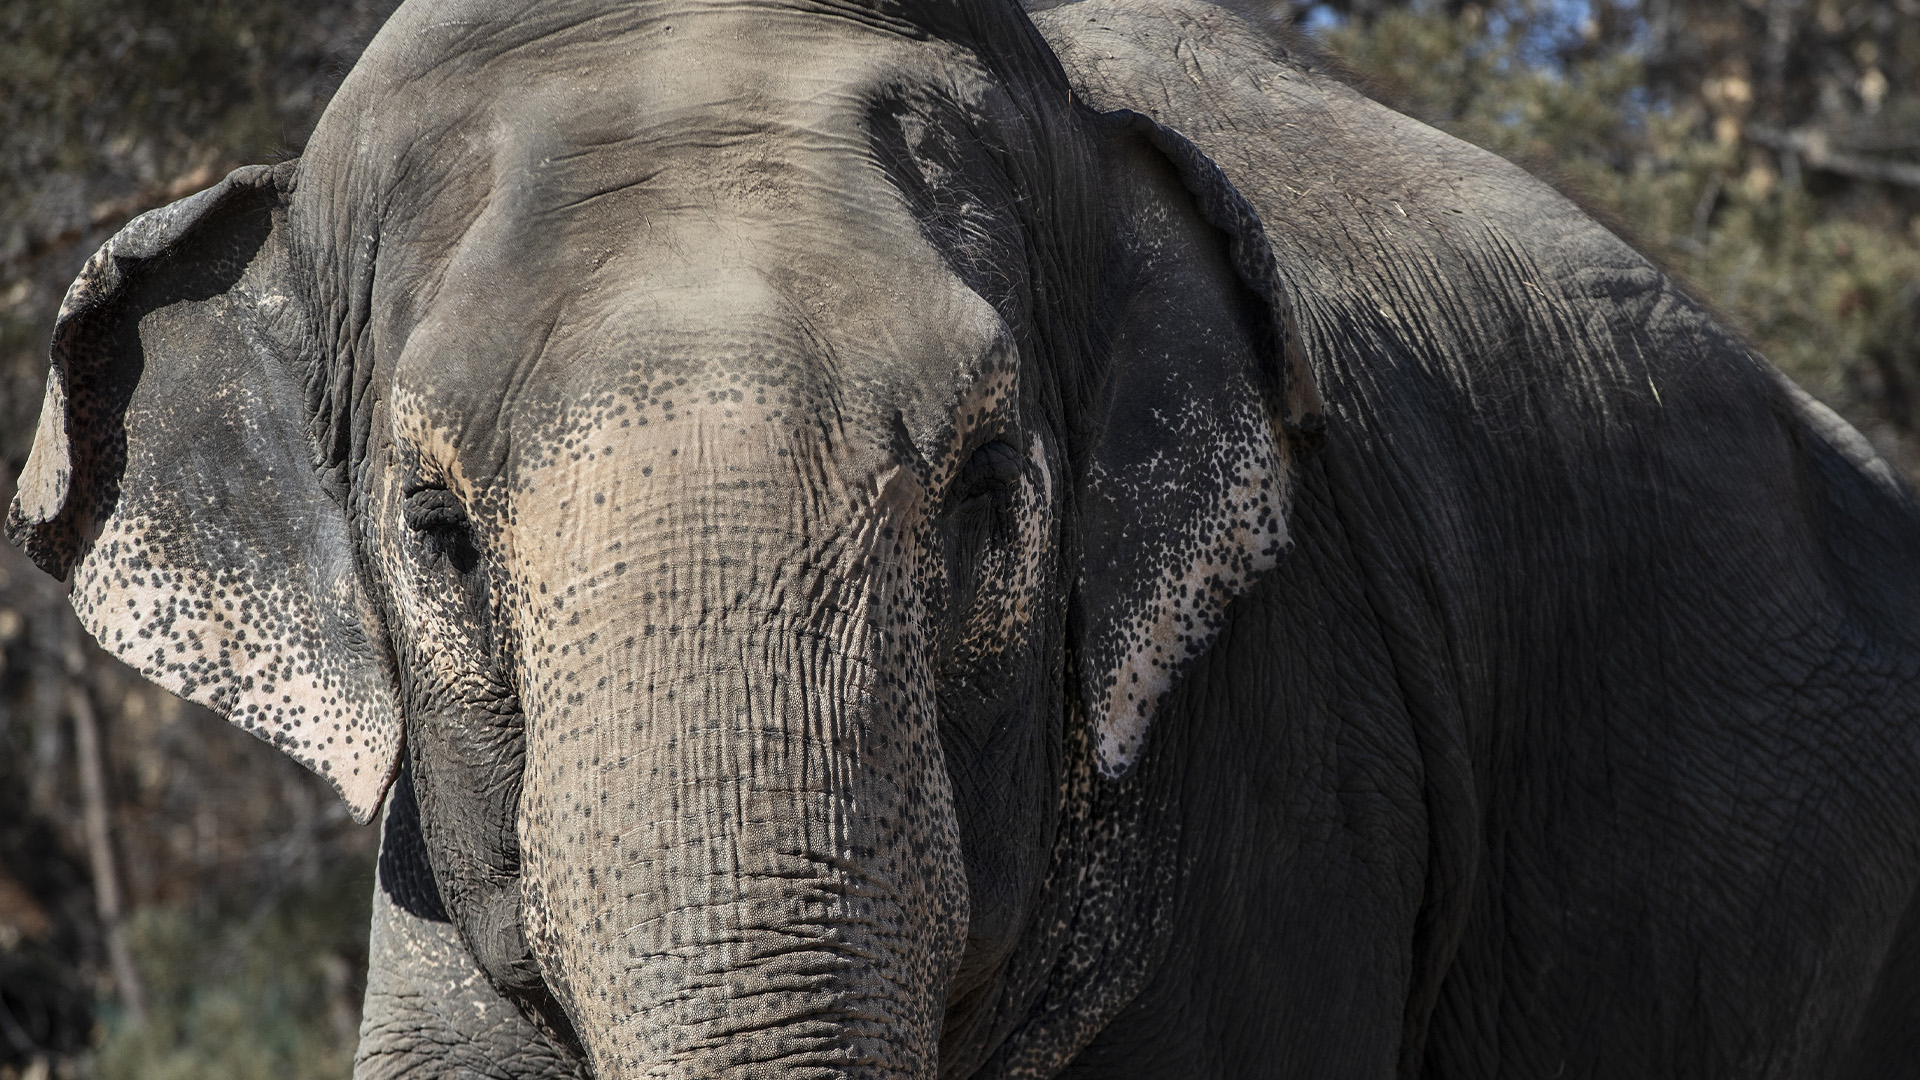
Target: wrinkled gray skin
column 817, row 504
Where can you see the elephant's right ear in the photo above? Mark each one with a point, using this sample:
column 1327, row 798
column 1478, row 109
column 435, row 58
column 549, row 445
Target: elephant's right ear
column 174, row 477
column 1207, row 403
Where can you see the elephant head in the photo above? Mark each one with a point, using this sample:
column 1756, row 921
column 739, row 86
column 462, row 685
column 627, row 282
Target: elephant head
column 755, row 468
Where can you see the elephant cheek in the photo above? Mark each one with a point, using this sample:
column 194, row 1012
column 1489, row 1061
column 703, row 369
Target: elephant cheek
column 740, row 850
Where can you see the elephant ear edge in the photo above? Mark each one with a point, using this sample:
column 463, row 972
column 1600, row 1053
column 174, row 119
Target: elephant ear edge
column 44, row 520
column 1289, row 388
column 172, row 475
column 1210, row 406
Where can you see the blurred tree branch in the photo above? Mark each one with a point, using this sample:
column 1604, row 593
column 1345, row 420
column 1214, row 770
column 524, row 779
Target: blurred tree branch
column 1816, row 148
column 99, row 817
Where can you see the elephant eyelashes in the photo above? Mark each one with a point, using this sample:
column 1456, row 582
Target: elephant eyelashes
column 988, row 479
column 436, row 517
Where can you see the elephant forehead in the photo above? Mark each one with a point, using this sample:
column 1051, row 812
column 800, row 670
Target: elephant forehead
column 435, row 45
column 490, row 385
column 561, row 105
column 607, row 239
column 601, row 196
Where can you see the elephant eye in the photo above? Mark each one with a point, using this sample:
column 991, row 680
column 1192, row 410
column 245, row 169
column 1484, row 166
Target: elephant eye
column 989, row 477
column 433, row 508
column 437, row 518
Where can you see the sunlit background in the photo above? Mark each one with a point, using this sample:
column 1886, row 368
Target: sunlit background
column 176, row 900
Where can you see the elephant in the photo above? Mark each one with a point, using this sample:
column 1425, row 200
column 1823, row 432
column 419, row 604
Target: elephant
column 895, row 538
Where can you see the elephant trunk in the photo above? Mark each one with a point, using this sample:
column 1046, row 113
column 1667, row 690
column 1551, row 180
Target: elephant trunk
column 740, row 853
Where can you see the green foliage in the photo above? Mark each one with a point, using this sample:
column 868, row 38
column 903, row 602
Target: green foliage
column 1823, row 277
column 1473, row 76
column 271, row 997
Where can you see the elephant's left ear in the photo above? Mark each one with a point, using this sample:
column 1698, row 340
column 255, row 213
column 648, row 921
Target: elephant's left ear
column 174, row 477
column 1208, row 401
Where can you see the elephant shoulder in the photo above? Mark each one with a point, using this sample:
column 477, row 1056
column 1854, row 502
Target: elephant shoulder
column 1317, row 158
column 1445, row 255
